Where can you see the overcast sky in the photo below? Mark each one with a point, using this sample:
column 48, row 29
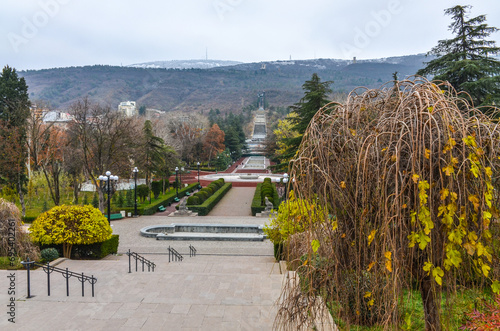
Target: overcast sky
column 58, row 33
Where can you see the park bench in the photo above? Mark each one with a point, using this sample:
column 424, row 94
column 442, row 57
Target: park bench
column 117, row 216
column 188, row 194
column 161, row 208
column 176, row 199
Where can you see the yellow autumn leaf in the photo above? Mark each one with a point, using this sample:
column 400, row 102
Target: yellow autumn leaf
column 371, row 265
column 486, row 269
column 371, row 236
column 371, row 302
column 368, row 294
column 444, row 193
column 353, row 132
column 427, row 153
column 415, row 178
column 388, row 265
column 388, row 261
column 342, row 184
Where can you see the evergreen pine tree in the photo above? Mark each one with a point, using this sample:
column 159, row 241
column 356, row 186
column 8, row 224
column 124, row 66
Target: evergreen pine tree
column 315, row 97
column 129, row 198
column 120, row 200
column 14, row 113
column 466, row 60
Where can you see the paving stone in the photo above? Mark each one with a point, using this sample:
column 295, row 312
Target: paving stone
column 227, row 286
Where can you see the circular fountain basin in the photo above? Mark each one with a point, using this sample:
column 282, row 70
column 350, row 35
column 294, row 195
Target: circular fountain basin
column 249, row 176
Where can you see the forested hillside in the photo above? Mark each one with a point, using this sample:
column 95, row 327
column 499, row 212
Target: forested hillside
column 226, row 88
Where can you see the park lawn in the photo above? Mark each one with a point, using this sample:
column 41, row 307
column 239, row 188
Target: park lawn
column 452, row 317
column 5, row 263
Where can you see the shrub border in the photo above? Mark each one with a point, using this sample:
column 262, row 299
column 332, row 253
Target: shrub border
column 212, row 201
column 256, row 202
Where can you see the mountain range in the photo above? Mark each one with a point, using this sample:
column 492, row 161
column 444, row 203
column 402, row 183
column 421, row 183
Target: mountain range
column 200, row 85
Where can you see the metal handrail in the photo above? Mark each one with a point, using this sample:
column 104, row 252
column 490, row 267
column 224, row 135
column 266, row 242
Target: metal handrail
column 175, row 255
column 192, row 251
column 48, row 269
column 140, row 258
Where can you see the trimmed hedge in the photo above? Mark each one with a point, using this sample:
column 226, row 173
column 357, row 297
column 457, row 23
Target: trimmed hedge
column 258, row 204
column 210, row 203
column 153, row 208
column 92, row 251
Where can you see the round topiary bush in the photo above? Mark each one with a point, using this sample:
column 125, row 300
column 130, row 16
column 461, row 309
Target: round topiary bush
column 203, row 195
column 49, row 254
column 70, row 225
column 193, row 200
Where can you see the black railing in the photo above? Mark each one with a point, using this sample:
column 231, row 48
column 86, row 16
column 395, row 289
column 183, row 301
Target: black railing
column 174, row 255
column 192, row 251
column 48, row 269
column 137, row 258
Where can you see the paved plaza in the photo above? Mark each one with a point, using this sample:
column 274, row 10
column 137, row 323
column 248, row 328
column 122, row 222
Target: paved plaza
column 227, row 286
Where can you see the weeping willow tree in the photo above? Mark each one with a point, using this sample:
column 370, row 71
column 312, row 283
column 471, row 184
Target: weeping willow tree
column 406, row 177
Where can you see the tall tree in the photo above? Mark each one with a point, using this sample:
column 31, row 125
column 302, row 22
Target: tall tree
column 106, row 140
column 51, row 159
column 14, row 112
column 214, row 142
column 151, row 155
column 315, row 97
column 466, row 60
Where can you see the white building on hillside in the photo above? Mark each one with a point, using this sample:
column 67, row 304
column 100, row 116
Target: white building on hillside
column 128, row 108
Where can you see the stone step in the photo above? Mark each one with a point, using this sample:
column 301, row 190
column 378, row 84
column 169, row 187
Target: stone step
column 211, row 236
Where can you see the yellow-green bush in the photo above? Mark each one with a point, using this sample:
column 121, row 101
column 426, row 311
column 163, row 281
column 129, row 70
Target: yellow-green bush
column 70, row 225
column 294, row 216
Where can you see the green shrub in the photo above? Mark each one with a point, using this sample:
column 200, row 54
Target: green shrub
column 203, row 195
column 49, row 254
column 129, row 198
column 156, row 187
column 204, row 208
column 193, row 200
column 98, row 250
column 153, row 208
column 142, row 191
column 120, row 200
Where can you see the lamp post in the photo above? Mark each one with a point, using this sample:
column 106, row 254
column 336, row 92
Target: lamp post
column 176, row 183
column 108, row 178
column 198, row 164
column 135, row 171
column 278, row 187
column 285, row 181
column 182, row 170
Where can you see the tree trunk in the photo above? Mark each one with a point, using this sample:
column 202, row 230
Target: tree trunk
column 67, row 250
column 431, row 298
column 76, row 190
